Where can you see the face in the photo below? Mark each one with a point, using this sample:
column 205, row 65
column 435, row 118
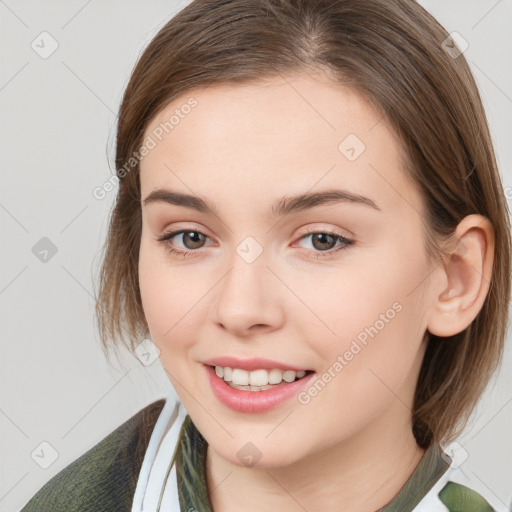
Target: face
column 333, row 287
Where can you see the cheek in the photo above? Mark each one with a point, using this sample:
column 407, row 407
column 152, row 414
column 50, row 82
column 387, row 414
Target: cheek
column 175, row 299
column 165, row 292
column 375, row 315
column 371, row 295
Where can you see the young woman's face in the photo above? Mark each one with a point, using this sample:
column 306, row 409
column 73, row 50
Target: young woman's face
column 267, row 276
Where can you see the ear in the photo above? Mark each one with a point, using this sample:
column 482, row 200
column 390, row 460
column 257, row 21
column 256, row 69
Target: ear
column 466, row 280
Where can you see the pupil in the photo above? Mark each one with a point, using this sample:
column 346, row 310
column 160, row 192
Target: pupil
column 322, row 237
column 192, row 235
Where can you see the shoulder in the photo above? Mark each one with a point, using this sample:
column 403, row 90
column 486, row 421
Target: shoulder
column 104, row 477
column 457, row 491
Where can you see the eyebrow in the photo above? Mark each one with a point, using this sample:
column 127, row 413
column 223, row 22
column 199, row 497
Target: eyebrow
column 282, row 207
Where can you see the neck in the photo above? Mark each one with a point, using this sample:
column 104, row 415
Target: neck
column 363, row 474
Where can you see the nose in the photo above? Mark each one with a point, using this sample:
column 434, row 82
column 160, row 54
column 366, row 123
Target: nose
column 249, row 299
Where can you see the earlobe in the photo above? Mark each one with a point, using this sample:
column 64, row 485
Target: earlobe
column 467, row 273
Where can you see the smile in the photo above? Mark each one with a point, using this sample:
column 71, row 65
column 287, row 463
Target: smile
column 255, row 391
column 256, row 380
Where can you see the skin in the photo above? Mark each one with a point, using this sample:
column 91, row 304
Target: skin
column 242, row 148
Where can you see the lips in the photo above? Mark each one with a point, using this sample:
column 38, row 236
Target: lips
column 254, row 401
column 251, row 364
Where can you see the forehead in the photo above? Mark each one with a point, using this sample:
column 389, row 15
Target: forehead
column 282, row 134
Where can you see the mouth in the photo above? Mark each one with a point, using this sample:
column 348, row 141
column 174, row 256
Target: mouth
column 257, row 380
column 256, row 384
column 256, row 391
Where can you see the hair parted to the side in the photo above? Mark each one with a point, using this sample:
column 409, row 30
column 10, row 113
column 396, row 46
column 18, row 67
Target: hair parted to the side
column 391, row 52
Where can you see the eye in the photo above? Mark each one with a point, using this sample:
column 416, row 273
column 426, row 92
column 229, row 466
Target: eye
column 323, row 243
column 192, row 239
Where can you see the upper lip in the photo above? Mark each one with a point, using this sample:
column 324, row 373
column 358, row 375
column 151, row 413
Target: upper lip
column 250, row 364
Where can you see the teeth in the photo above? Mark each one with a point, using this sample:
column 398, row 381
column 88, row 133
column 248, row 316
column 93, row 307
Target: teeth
column 257, row 380
column 289, row 375
column 240, row 377
column 275, row 376
column 251, row 388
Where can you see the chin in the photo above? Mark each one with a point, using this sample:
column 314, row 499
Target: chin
column 250, row 456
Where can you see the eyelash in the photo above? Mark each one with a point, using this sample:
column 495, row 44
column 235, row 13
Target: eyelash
column 345, row 242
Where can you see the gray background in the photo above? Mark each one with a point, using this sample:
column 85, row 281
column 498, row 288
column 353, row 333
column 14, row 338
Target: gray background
column 57, row 132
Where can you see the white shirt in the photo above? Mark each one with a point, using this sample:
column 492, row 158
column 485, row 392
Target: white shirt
column 156, row 462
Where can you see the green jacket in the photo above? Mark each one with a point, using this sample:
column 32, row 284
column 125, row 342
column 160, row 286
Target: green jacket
column 107, row 474
column 104, row 479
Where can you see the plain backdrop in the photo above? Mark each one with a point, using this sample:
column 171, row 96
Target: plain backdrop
column 58, row 395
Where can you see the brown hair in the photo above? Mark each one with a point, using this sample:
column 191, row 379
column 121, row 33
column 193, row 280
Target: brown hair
column 393, row 53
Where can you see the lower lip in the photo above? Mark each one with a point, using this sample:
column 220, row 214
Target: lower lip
column 254, row 401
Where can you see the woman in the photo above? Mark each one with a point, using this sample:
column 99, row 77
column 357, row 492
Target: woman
column 311, row 229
